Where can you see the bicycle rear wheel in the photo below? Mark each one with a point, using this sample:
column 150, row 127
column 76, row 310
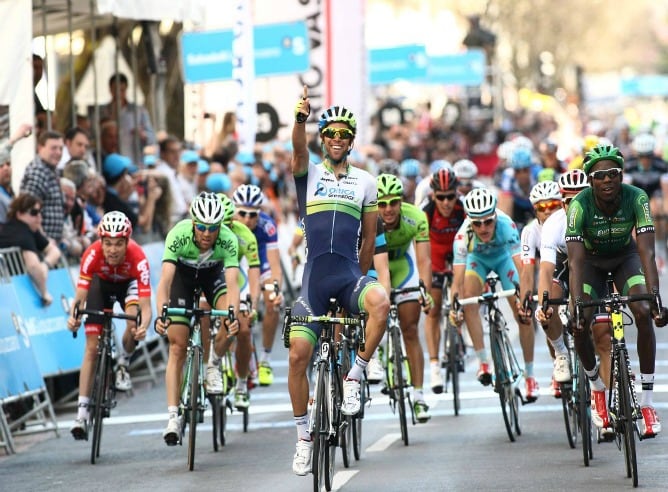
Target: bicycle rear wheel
column 452, row 371
column 98, row 396
column 584, row 411
column 321, row 430
column 346, row 436
column 357, row 422
column 400, row 383
column 627, row 423
column 194, row 407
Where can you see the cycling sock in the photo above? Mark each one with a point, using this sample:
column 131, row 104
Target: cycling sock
column 595, row 381
column 123, row 358
column 82, row 407
column 241, row 384
column 266, row 356
column 558, row 345
column 647, row 381
column 482, row 355
column 528, row 369
column 173, row 411
column 435, row 364
column 358, row 369
column 302, row 427
column 419, row 394
column 214, row 359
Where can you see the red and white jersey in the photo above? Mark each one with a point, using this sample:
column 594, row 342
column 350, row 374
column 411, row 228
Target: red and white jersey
column 134, row 267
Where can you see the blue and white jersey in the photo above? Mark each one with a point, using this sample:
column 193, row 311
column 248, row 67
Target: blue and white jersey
column 332, row 209
column 504, row 243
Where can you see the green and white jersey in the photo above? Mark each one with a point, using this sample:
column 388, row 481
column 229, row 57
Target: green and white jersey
column 413, row 227
column 247, row 243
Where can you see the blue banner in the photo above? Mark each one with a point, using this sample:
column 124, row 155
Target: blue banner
column 55, row 349
column 19, row 372
column 279, row 49
column 388, row 65
column 645, row 85
column 464, row 69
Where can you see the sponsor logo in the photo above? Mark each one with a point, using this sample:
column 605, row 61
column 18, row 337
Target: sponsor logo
column 178, row 243
column 89, row 260
column 144, row 274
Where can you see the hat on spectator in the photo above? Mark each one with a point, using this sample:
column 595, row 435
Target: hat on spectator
column 189, row 156
column 245, row 158
column 218, row 183
column 115, row 165
column 150, row 160
column 202, row 166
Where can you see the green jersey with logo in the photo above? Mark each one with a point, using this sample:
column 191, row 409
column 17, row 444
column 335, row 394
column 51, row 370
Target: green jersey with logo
column 603, row 235
column 180, row 248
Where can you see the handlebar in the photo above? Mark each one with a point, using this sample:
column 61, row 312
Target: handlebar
column 407, row 290
column 485, row 298
column 195, row 312
column 106, row 312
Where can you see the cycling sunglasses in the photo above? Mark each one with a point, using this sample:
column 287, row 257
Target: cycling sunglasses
column 486, row 222
column 603, row 173
column 449, row 197
column 342, row 133
column 547, row 206
column 392, row 203
column 206, row 227
column 250, row 213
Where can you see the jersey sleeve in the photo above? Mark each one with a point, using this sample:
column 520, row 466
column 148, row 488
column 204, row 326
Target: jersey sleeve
column 370, row 203
column 174, row 243
column 89, row 264
column 460, row 244
column 513, row 237
column 644, row 222
column 227, row 248
column 575, row 222
column 422, row 233
column 381, row 242
column 142, row 271
column 548, row 245
column 530, row 240
column 252, row 256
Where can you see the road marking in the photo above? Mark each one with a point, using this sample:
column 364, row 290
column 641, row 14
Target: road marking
column 342, row 477
column 383, row 443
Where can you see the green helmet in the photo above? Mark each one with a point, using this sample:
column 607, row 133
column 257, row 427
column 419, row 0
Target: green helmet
column 602, row 153
column 389, row 184
column 228, row 206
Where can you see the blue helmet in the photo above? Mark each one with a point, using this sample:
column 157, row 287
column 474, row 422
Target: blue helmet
column 410, row 168
column 521, row 158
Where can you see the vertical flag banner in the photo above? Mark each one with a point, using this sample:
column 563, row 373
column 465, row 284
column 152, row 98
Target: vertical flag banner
column 243, row 72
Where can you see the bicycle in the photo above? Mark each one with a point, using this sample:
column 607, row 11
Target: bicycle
column 575, row 394
column 352, row 339
column 507, row 370
column 193, row 396
column 103, row 396
column 397, row 368
column 325, row 417
column 622, row 401
column 453, row 347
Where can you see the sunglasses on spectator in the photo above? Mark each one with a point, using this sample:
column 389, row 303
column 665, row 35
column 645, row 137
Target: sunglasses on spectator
column 342, row 133
column 206, row 227
column 547, row 206
column 485, row 222
column 449, row 197
column 35, row 211
column 250, row 213
column 392, row 203
column 603, row 173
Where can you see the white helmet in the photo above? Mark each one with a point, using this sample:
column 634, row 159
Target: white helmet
column 545, row 190
column 207, row 208
column 479, row 202
column 114, row 224
column 248, row 196
column 465, row 169
column 573, row 181
column 644, row 144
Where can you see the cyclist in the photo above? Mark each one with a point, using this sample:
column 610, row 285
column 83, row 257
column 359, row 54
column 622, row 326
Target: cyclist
column 546, row 199
column 467, row 176
column 423, row 190
column 445, row 214
column 599, row 240
column 516, row 184
column 248, row 199
column 249, row 285
column 407, row 236
column 199, row 253
column 339, row 205
column 650, row 173
column 488, row 241
column 553, row 278
column 113, row 266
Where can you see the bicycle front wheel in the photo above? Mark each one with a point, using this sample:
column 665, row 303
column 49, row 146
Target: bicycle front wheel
column 400, row 383
column 346, row 437
column 194, row 406
column 627, row 423
column 502, row 383
column 584, row 414
column 217, row 420
column 453, row 363
column 102, row 380
column 320, row 429
column 570, row 422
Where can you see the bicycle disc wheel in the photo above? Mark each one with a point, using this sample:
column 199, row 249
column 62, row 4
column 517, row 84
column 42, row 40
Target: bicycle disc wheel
column 346, row 437
column 567, row 406
column 194, row 407
column 453, row 364
column 584, row 411
column 97, row 414
column 628, row 425
column 216, row 409
column 399, row 386
column 321, row 431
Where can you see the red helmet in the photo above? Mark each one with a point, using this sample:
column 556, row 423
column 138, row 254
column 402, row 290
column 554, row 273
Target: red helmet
column 444, row 179
column 114, row 224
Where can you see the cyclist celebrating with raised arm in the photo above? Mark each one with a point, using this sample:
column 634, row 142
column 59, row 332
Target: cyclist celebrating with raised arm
column 553, row 278
column 598, row 235
column 247, row 200
column 488, row 241
column 114, row 266
column 407, row 236
column 338, row 203
column 199, row 253
column 249, row 285
column 445, row 214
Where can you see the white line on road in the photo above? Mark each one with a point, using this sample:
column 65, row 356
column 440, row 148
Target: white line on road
column 383, row 443
column 342, row 477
